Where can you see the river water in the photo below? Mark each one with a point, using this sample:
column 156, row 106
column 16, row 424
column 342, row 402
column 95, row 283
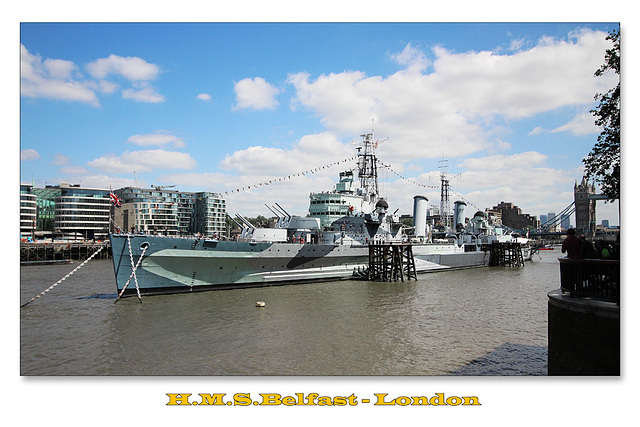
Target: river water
column 483, row 321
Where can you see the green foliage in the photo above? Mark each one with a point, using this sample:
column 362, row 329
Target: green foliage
column 603, row 162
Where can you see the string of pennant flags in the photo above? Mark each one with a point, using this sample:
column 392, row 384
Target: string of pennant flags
column 388, row 167
column 464, row 199
column 328, row 165
column 284, row 178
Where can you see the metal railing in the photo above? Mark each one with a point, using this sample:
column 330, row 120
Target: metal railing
column 592, row 278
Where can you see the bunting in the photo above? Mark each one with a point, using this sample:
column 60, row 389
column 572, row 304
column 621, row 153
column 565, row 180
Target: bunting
column 320, row 168
column 417, row 184
column 388, row 167
column 288, row 177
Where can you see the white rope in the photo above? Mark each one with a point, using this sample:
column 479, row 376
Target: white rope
column 65, row 277
column 133, row 271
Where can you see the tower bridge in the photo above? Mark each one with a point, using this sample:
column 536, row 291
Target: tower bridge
column 584, row 208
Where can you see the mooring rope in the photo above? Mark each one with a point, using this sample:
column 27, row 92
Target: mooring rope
column 65, row 277
column 133, row 272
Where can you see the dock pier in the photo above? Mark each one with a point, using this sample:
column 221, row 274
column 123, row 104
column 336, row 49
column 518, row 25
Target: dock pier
column 391, row 262
column 505, row 254
column 56, row 252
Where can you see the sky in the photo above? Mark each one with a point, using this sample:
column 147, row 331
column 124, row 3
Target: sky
column 223, row 107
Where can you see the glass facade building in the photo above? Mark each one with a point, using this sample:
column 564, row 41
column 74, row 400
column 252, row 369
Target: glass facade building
column 72, row 212
column 28, row 211
column 81, row 213
column 172, row 213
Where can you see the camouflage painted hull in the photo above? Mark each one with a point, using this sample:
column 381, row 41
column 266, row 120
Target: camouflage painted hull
column 174, row 265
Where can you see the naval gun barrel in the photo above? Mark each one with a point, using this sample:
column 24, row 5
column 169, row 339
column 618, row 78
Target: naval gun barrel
column 234, row 221
column 285, row 212
column 247, row 223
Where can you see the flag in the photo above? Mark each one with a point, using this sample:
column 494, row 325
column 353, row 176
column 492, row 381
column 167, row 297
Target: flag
column 115, row 199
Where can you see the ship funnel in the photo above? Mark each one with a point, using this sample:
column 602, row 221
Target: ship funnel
column 458, row 213
column 420, row 216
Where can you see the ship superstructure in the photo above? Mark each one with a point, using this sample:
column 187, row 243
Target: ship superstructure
column 350, row 196
column 329, row 246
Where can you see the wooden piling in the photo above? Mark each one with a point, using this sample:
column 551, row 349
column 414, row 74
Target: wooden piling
column 505, row 254
column 391, row 262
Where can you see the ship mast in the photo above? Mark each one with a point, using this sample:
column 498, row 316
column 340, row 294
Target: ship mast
column 367, row 167
column 444, row 195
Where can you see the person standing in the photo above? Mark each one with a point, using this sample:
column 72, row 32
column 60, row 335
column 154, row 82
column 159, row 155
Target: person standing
column 572, row 245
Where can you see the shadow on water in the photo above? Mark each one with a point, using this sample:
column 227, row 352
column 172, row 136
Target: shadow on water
column 508, row 359
column 99, row 296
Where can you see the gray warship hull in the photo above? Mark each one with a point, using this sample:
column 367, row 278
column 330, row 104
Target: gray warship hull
column 165, row 265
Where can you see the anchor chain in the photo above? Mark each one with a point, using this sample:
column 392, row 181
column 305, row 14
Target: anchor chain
column 133, row 271
column 65, row 277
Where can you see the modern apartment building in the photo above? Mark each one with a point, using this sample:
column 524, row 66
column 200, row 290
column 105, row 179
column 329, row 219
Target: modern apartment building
column 27, row 211
column 75, row 213
column 81, row 213
column 159, row 210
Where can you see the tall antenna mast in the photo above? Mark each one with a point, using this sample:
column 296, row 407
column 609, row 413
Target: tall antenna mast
column 444, row 194
column 367, row 166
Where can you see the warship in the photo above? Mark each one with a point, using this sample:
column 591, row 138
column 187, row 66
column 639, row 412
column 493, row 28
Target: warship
column 332, row 243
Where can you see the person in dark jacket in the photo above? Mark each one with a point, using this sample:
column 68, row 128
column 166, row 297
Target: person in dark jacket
column 587, row 249
column 572, row 245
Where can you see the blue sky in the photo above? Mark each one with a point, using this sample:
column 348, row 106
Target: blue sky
column 221, row 107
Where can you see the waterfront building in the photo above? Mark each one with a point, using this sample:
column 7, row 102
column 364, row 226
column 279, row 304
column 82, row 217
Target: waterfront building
column 543, row 218
column 209, row 214
column 565, row 222
column 46, row 209
column 512, row 216
column 159, row 210
column 585, row 207
column 81, row 213
column 28, row 203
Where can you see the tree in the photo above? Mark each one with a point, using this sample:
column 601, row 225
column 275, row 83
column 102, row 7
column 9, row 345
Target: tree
column 603, row 162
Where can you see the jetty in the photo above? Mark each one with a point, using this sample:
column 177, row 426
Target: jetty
column 32, row 253
column 391, row 262
column 505, row 254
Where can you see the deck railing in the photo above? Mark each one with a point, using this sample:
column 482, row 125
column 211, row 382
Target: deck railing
column 593, row 278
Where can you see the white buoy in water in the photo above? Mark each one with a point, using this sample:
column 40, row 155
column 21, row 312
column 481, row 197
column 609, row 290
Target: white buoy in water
column 260, row 304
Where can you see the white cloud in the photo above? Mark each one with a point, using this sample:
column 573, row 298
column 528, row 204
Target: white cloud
column 62, row 80
column 142, row 92
column 143, row 161
column 310, row 151
column 581, row 124
column 157, row 139
column 59, row 68
column 454, row 110
column 411, row 58
column 256, row 94
column 105, row 181
column 61, row 159
column 29, row 154
column 204, row 97
column 501, row 161
column 51, row 79
column 277, row 174
column 74, row 170
column 131, row 68
column 537, row 131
